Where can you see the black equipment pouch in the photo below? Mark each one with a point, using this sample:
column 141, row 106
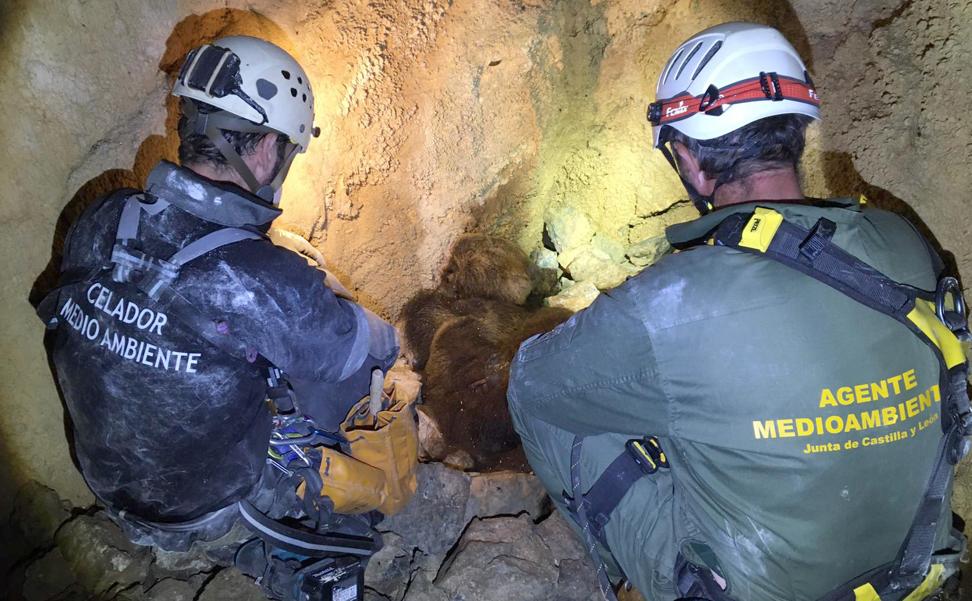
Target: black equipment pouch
column 288, row 576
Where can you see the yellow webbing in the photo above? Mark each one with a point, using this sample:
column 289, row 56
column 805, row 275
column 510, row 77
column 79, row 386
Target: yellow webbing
column 760, row 229
column 866, row 592
column 923, row 316
column 932, row 582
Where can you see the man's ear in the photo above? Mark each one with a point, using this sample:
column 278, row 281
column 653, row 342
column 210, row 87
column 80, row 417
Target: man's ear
column 265, row 158
column 691, row 170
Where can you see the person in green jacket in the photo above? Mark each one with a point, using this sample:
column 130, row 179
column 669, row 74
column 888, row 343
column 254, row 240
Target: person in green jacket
column 771, row 412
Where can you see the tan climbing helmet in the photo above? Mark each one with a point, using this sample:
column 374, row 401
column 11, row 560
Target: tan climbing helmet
column 726, row 77
column 256, row 87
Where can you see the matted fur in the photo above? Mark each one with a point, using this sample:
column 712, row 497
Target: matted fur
column 465, row 334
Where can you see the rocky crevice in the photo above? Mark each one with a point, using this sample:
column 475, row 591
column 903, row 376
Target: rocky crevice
column 463, row 536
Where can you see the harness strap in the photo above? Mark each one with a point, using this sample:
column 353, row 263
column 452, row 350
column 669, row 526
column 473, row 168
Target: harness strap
column 577, row 505
column 766, row 233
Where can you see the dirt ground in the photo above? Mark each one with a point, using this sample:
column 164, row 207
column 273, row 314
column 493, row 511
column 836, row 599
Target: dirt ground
column 441, row 117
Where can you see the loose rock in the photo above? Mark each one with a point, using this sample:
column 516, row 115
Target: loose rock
column 648, row 251
column 231, row 585
column 575, row 298
column 500, row 559
column 48, row 577
column 603, row 273
column 38, row 512
column 506, row 493
column 568, row 228
column 607, row 248
column 434, row 518
column 100, row 556
column 545, row 271
column 389, row 570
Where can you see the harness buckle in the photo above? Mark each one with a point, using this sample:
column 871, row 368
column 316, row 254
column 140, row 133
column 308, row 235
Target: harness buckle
column 956, row 318
column 819, row 237
column 647, row 453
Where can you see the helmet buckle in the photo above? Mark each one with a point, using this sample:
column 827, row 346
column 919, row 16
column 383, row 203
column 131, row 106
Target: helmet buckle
column 766, row 80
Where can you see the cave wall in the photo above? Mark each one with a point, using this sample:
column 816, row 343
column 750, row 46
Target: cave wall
column 442, row 117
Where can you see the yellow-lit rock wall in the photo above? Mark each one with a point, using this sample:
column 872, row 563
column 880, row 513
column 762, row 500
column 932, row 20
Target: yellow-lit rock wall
column 442, row 117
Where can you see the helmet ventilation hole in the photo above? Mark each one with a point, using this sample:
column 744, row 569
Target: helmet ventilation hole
column 303, row 97
column 688, row 59
column 286, row 74
column 293, row 92
column 705, row 59
column 671, row 65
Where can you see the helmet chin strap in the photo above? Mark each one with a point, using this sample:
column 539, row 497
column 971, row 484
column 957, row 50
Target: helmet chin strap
column 270, row 192
column 211, row 124
column 703, row 204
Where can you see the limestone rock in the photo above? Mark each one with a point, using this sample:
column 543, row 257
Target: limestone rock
column 422, row 589
column 649, row 250
column 432, row 444
column 603, row 273
column 545, row 271
column 608, row 248
column 575, row 298
column 435, row 517
column 389, row 569
column 231, row 585
column 500, row 559
column 506, row 493
column 459, row 459
column 568, row 228
column 171, row 589
column 100, row 556
column 47, row 577
column 38, row 512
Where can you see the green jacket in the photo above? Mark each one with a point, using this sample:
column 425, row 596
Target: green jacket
column 801, row 425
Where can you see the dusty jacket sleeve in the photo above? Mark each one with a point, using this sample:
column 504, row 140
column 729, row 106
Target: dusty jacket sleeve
column 594, row 373
column 283, row 306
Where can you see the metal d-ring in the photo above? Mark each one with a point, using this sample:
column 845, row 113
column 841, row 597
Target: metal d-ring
column 956, row 319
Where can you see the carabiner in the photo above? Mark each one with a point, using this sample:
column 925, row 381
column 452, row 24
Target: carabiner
column 955, row 319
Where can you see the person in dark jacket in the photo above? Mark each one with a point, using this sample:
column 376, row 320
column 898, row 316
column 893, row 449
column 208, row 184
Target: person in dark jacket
column 772, row 412
column 174, row 307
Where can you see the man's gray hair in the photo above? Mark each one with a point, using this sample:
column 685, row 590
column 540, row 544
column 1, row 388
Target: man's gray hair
column 765, row 144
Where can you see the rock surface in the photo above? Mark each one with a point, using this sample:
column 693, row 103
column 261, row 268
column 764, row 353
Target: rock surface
column 575, row 297
column 463, row 536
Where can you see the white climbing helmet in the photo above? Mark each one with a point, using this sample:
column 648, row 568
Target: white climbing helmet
column 253, row 79
column 728, row 76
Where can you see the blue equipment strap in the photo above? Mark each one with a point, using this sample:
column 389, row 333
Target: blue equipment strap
column 303, row 541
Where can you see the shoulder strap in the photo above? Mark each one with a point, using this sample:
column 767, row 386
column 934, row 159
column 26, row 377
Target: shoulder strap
column 47, row 307
column 764, row 232
column 154, row 277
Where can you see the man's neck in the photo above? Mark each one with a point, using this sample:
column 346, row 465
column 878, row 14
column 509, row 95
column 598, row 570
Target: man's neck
column 776, row 184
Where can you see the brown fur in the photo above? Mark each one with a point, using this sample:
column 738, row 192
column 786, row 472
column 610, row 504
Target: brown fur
column 467, row 375
column 487, row 267
column 465, row 334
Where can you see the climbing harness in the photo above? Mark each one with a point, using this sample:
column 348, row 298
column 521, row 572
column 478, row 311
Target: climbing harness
column 939, row 319
column 323, row 558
